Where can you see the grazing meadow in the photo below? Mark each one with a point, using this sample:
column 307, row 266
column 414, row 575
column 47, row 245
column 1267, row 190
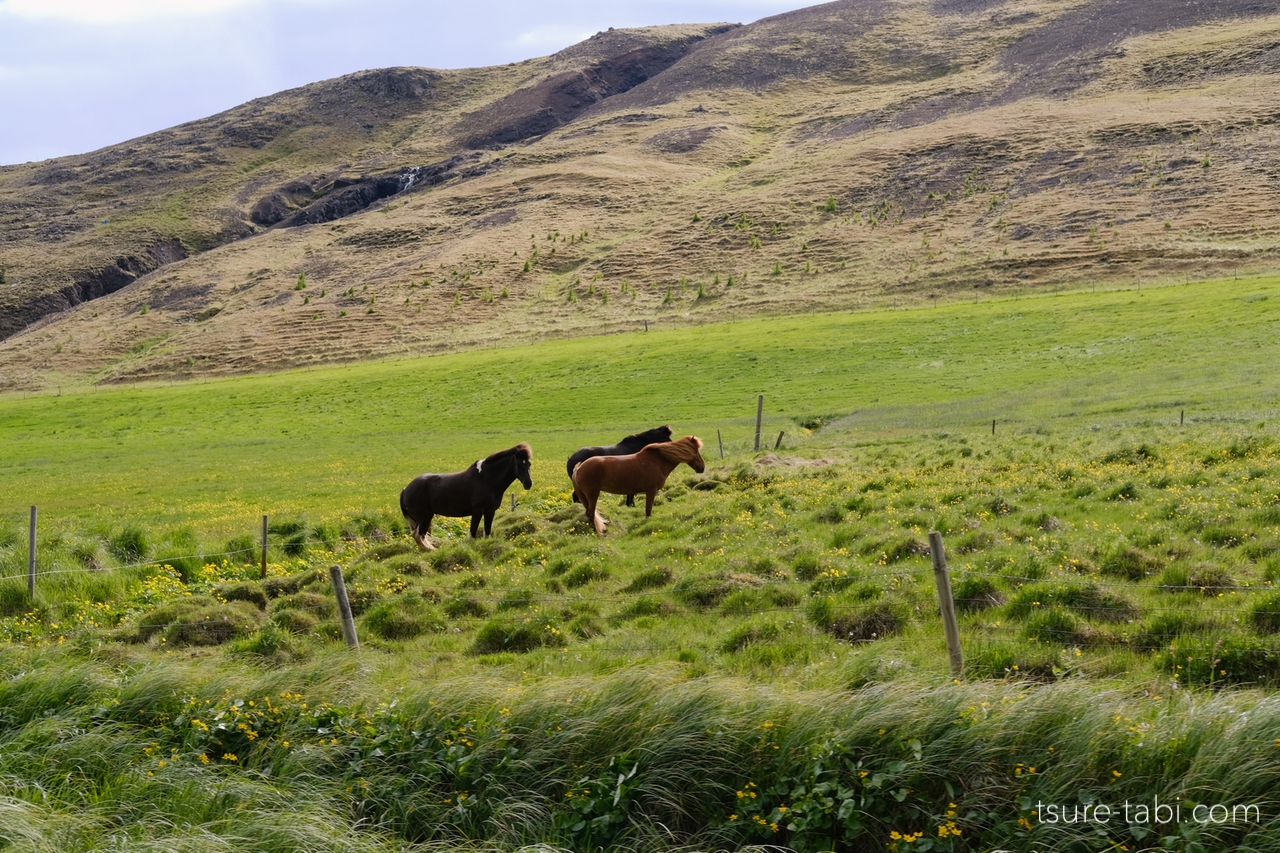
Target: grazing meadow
column 761, row 662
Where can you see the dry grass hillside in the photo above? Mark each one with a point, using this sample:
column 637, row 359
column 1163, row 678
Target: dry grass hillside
column 843, row 155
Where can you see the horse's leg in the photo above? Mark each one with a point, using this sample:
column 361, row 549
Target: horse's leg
column 631, row 500
column 421, row 532
column 648, row 502
column 488, row 523
column 475, row 526
column 590, row 502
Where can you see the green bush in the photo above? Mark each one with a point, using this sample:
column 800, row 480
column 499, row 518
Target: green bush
column 213, row 625
column 402, row 619
column 503, row 635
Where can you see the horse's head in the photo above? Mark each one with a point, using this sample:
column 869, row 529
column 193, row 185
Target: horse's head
column 524, row 462
column 695, row 462
column 684, row 450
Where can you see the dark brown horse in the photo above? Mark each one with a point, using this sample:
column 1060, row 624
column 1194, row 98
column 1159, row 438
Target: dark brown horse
column 630, row 444
column 476, row 492
column 646, row 471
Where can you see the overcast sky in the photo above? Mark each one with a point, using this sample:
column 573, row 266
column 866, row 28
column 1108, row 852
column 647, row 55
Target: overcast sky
column 78, row 75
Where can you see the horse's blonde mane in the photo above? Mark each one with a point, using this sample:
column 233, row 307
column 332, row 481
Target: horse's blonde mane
column 682, row 450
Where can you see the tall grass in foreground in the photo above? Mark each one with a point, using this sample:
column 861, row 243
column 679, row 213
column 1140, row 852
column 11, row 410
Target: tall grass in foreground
column 100, row 754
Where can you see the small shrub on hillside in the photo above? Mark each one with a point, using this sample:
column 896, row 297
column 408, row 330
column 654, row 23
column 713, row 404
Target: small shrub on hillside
column 502, row 635
column 1208, row 579
column 296, row 621
column 1054, row 625
column 161, row 618
column 1125, row 561
column 1266, row 615
column 242, row 549
column 387, row 550
column 762, row 566
column 1000, row 505
column 583, row 575
column 750, row 634
column 831, row 580
column 757, row 600
column 708, row 591
column 402, row 619
column 271, row 641
column 13, row 598
column 1258, row 550
column 413, row 564
column 1086, row 599
column 832, row 513
column 649, row 579
column 1162, row 629
column 1012, row 659
column 1126, row 491
column 90, row 555
column 975, row 594
column 855, row 622
column 1223, row 662
column 978, row 540
column 906, row 549
column 129, row 545
column 806, row 566
column 559, row 566
column 455, row 558
column 646, row 605
column 859, row 504
column 1130, row 455
column 462, row 606
column 213, row 625
column 1219, row 536
column 517, row 599
column 288, row 584
column 376, row 526
column 242, row 591
column 514, row 528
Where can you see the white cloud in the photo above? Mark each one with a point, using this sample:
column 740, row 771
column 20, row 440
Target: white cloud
column 116, row 11
column 552, row 36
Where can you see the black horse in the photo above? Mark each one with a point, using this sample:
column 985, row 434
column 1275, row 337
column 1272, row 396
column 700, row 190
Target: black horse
column 476, row 492
column 630, row 444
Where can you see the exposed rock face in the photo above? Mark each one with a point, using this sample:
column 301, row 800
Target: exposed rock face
column 94, row 285
column 346, row 196
column 537, row 109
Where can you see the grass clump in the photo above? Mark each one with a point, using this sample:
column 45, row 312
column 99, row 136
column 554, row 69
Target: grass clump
column 504, row 635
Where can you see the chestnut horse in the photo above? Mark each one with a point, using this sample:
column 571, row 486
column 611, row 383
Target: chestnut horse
column 646, row 471
column 630, row 444
column 476, row 492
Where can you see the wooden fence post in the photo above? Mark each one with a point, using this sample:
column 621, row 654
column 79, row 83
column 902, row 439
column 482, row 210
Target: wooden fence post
column 778, row 443
column 721, row 441
column 759, row 414
column 31, row 557
column 946, row 604
column 264, row 547
column 993, row 426
column 344, row 606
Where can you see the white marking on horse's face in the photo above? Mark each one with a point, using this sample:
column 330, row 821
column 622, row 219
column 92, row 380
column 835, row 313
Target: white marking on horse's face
column 479, row 465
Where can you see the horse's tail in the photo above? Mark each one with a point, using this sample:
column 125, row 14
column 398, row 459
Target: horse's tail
column 404, row 510
column 599, row 523
column 573, row 469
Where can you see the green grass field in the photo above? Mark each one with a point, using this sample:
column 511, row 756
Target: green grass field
column 334, row 441
column 761, row 662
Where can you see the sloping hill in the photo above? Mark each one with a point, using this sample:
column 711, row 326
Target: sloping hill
column 838, row 156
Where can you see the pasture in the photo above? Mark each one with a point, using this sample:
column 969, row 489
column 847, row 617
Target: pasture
column 761, row 662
